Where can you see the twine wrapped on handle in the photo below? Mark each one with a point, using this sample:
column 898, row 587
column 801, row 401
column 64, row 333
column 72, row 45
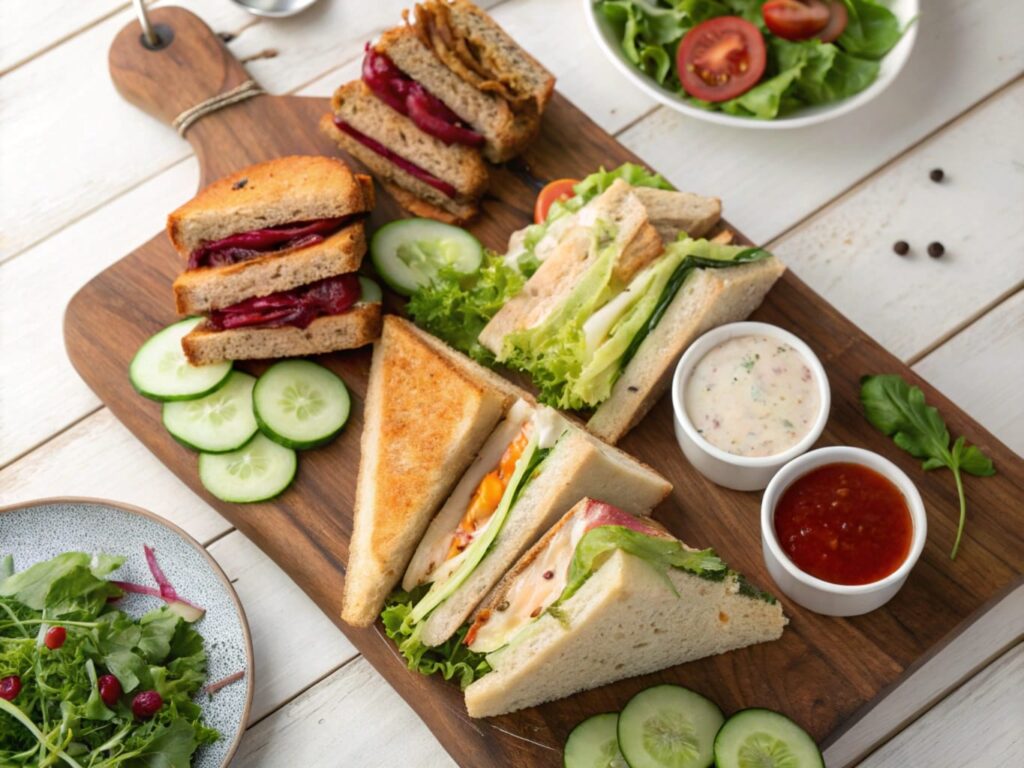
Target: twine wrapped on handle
column 239, row 93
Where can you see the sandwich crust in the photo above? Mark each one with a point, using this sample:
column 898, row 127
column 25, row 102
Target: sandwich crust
column 356, row 327
column 281, row 191
column 426, row 415
column 198, row 291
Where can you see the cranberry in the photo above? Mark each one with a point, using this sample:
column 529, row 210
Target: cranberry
column 110, row 689
column 146, row 704
column 55, row 637
column 10, row 687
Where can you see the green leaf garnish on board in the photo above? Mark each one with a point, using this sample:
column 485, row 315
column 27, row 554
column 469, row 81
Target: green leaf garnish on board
column 898, row 409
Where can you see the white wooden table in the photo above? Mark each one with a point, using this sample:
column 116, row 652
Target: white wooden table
column 84, row 178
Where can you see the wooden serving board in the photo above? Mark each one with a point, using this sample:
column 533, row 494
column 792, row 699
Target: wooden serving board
column 824, row 672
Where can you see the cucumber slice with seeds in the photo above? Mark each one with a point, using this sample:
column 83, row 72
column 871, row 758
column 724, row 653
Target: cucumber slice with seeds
column 160, row 371
column 595, row 744
column 669, row 726
column 218, row 422
column 760, row 738
column 300, row 404
column 409, row 253
column 259, row 470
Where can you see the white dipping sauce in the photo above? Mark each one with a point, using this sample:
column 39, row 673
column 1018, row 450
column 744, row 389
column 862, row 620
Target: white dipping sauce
column 752, row 396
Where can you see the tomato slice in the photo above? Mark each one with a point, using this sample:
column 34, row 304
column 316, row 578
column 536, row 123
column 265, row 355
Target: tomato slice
column 560, row 189
column 836, row 23
column 797, row 19
column 721, row 58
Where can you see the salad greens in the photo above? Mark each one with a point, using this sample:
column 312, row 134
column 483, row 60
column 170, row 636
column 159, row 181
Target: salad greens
column 456, row 306
column 57, row 715
column 898, row 409
column 576, row 355
column 798, row 74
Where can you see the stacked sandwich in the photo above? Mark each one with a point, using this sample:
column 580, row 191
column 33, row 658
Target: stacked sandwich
column 621, row 287
column 437, row 96
column 461, row 473
column 270, row 258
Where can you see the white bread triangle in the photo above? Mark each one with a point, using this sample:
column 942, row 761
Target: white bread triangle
column 578, row 466
column 427, row 411
column 708, row 298
column 624, row 621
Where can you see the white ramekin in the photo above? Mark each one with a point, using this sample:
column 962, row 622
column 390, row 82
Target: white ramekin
column 741, row 473
column 816, row 594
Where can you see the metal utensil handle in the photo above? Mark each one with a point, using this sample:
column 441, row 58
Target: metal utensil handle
column 148, row 33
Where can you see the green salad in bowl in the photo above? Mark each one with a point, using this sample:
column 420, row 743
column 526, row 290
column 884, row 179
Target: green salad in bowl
column 770, row 63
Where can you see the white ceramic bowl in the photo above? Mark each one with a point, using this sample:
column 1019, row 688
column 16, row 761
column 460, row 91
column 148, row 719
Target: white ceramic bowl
column 905, row 10
column 741, row 473
column 823, row 596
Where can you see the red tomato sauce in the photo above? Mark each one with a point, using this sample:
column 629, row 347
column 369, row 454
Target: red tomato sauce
column 845, row 524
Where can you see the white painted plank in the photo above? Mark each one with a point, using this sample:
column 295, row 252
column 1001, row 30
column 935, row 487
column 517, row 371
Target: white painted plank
column 981, row 369
column 990, row 635
column 906, row 303
column 294, row 643
column 769, row 180
column 979, row 725
column 99, row 457
column 351, row 718
column 42, row 394
column 28, row 28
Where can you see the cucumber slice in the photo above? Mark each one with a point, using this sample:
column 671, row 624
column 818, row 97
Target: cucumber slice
column 300, row 404
column 669, row 726
column 160, row 371
column 594, row 744
column 369, row 291
column 259, row 470
column 760, row 738
column 409, row 253
column 221, row 421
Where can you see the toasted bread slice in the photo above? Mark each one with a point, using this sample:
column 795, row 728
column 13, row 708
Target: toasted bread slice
column 269, row 194
column 356, row 327
column 426, row 414
column 505, row 133
column 473, row 46
column 708, row 298
column 674, row 212
column 628, row 618
column 198, row 291
column 459, row 166
column 638, row 243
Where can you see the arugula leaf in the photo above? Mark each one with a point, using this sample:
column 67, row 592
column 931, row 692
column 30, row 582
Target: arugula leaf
column 32, row 586
column 452, row 659
column 898, row 409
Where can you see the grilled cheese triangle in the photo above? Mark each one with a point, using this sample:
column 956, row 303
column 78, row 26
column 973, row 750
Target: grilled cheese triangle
column 427, row 412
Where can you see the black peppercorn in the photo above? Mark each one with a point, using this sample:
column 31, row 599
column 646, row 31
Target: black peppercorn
column 936, row 249
column 936, row 175
column 901, row 247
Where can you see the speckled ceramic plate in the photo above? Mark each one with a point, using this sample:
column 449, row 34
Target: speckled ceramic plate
column 39, row 530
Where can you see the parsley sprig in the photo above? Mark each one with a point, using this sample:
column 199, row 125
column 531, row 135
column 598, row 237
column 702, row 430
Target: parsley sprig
column 899, row 410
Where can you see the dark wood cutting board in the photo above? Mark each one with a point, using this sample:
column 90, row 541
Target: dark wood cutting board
column 824, row 672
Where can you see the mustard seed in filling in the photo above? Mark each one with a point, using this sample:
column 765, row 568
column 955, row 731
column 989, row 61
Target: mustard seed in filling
column 752, row 396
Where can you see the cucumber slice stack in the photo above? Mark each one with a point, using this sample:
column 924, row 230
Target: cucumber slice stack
column 246, row 429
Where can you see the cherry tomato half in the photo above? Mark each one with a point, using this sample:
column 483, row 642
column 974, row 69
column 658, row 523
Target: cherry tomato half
column 560, row 189
column 836, row 23
column 721, row 58
column 796, row 19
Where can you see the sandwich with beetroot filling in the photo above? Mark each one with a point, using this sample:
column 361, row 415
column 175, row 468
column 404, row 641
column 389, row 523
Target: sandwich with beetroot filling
column 270, row 256
column 605, row 595
column 436, row 94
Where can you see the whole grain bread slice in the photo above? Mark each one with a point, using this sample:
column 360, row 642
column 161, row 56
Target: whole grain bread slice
column 198, row 291
column 356, row 327
column 505, row 133
column 281, row 191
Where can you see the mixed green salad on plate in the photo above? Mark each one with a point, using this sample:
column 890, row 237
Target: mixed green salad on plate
column 761, row 59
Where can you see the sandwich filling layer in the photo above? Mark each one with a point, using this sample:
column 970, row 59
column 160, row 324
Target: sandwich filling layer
column 297, row 307
column 244, row 246
column 405, row 95
column 409, row 167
